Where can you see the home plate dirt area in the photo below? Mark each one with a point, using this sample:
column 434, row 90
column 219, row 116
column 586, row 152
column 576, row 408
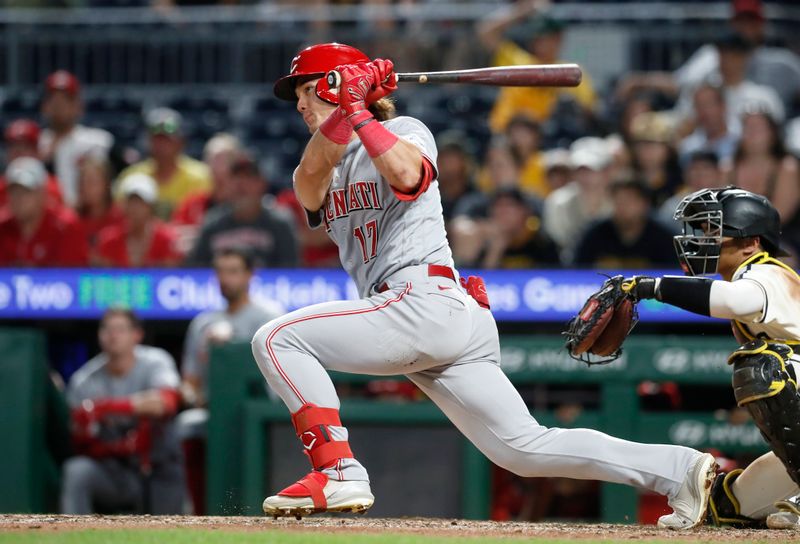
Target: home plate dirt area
column 26, row 523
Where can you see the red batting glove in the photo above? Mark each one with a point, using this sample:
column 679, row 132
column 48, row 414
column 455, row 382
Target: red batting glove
column 357, row 82
column 385, row 79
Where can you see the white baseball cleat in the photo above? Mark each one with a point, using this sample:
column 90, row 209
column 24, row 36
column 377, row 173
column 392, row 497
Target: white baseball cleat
column 689, row 505
column 316, row 493
column 787, row 517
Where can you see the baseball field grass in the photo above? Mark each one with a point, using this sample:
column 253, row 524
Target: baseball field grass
column 55, row 529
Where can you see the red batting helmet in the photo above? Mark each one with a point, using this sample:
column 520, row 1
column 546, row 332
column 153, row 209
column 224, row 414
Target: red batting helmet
column 313, row 62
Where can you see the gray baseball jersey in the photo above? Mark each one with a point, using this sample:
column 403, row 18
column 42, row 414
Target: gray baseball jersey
column 241, row 325
column 376, row 232
column 154, row 369
column 420, row 322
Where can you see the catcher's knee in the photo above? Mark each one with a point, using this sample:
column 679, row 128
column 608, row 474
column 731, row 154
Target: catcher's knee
column 765, row 384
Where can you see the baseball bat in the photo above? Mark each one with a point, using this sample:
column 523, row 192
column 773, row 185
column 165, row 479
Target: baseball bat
column 528, row 75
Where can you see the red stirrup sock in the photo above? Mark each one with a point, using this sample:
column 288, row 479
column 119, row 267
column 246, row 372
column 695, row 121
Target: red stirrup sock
column 311, row 425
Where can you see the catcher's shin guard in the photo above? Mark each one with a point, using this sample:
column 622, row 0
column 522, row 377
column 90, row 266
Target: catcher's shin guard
column 723, row 506
column 765, row 384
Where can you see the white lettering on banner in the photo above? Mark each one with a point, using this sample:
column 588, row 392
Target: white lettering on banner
column 691, row 432
column 680, row 360
column 503, row 297
column 5, row 296
column 541, row 295
column 176, row 293
column 519, row 359
column 688, row 432
column 41, row 296
column 293, row 294
column 744, row 435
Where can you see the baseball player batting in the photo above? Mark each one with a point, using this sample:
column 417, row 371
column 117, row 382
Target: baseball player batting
column 369, row 178
column 735, row 233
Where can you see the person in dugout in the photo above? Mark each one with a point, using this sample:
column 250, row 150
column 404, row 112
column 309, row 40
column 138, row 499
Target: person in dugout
column 127, row 458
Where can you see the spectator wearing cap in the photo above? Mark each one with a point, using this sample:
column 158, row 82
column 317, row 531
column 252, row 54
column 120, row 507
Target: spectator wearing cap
column 702, row 171
column 542, row 37
column 252, row 221
column 631, row 237
column 569, row 209
column 142, row 239
column 510, row 237
column 65, row 141
column 22, row 140
column 34, row 233
column 735, row 52
column 96, row 207
column 711, row 122
column 654, row 158
column 177, row 175
column 773, row 67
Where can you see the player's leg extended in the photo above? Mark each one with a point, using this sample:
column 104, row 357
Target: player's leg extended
column 376, row 336
column 485, row 406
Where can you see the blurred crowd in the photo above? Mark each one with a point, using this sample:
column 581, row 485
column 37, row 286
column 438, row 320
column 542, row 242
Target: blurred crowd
column 570, row 177
column 575, row 177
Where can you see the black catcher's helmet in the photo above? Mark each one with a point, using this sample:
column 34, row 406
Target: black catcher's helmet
column 709, row 214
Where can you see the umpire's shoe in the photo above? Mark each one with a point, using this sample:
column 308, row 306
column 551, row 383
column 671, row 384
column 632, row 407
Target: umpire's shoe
column 689, row 504
column 316, row 493
column 723, row 507
column 787, row 516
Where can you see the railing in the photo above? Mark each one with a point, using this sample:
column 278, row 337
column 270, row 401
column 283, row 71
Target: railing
column 250, row 45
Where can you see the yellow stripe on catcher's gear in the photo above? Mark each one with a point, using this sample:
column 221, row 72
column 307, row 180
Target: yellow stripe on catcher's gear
column 765, row 385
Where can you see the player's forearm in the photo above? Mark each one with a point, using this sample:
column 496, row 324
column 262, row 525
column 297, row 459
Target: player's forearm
column 155, row 402
column 704, row 296
column 312, row 178
column 401, row 166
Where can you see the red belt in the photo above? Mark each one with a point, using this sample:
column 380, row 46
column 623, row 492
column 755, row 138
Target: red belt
column 433, row 270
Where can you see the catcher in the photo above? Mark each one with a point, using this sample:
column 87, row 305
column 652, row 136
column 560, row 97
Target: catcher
column 734, row 233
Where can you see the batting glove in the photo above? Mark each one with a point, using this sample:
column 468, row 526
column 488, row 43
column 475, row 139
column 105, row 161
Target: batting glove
column 385, row 79
column 357, row 82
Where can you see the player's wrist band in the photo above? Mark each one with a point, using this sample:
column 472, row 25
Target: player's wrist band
column 337, row 128
column 377, row 139
column 690, row 293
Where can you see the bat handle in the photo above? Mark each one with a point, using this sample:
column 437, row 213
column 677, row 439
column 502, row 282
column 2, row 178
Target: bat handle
column 334, row 79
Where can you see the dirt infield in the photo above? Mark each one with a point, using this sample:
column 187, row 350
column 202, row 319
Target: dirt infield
column 367, row 525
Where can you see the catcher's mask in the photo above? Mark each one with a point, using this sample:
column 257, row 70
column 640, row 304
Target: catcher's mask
column 710, row 214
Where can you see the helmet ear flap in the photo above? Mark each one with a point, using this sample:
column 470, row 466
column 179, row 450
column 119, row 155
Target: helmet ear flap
column 325, row 93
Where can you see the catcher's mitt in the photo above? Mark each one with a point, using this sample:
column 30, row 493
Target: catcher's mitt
column 596, row 334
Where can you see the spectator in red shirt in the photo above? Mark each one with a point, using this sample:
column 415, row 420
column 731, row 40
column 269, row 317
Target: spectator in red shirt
column 32, row 232
column 22, row 140
column 96, row 207
column 218, row 154
column 142, row 240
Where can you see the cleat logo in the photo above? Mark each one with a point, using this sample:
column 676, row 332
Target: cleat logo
column 312, row 439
